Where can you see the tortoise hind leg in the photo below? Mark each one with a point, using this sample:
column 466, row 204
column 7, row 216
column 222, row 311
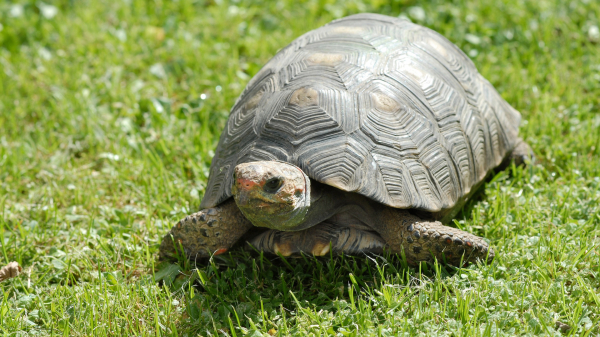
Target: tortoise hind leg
column 210, row 231
column 522, row 153
column 422, row 240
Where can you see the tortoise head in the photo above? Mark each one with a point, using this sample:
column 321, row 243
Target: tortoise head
column 272, row 194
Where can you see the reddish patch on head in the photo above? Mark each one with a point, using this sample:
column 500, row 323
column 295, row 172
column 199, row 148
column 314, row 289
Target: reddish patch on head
column 220, row 251
column 247, row 184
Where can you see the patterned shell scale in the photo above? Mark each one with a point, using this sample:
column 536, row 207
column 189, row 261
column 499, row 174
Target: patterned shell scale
column 373, row 105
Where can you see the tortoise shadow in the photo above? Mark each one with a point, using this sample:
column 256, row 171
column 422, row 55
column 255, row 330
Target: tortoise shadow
column 249, row 286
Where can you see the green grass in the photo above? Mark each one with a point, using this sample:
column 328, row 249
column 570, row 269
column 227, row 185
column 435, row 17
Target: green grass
column 110, row 111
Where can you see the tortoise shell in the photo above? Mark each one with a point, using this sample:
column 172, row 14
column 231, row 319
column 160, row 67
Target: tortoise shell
column 374, row 105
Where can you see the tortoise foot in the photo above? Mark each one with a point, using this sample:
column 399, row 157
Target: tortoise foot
column 427, row 240
column 211, row 231
column 423, row 240
column 319, row 240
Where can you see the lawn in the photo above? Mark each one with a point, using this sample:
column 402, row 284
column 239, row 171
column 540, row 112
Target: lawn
column 109, row 115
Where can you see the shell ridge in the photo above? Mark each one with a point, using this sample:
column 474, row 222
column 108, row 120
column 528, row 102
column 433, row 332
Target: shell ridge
column 416, row 91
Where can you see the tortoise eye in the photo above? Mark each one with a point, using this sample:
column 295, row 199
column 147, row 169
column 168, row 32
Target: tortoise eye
column 272, row 185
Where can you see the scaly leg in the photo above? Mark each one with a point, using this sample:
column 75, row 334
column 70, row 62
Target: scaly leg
column 422, row 240
column 210, row 231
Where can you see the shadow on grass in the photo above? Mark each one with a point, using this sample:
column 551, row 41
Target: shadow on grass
column 258, row 292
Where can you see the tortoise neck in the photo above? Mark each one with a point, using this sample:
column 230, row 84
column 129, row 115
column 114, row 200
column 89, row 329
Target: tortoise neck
column 327, row 201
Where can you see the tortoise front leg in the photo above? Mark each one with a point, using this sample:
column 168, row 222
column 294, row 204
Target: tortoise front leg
column 210, row 231
column 422, row 240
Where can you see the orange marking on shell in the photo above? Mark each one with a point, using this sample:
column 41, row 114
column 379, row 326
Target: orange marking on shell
column 220, row 251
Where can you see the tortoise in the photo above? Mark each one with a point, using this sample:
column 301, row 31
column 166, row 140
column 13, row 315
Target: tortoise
column 364, row 135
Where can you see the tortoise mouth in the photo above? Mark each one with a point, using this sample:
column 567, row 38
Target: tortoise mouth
column 280, row 216
column 261, row 205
